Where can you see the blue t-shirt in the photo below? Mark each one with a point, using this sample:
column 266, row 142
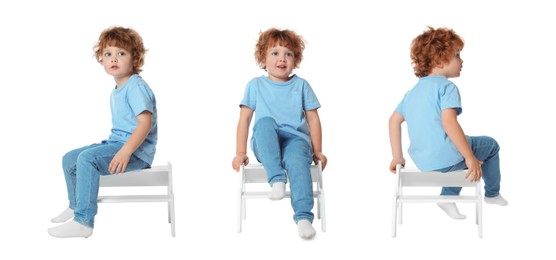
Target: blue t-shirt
column 430, row 147
column 285, row 102
column 126, row 103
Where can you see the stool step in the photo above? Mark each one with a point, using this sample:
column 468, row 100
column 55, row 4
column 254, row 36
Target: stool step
column 439, row 199
column 134, row 198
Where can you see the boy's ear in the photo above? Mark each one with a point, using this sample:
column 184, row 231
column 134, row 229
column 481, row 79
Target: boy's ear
column 439, row 64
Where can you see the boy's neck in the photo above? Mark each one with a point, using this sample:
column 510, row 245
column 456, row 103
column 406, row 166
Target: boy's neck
column 281, row 80
column 122, row 80
column 437, row 74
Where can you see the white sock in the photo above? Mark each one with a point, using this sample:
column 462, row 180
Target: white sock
column 498, row 200
column 452, row 210
column 305, row 229
column 63, row 217
column 70, row 229
column 278, row 191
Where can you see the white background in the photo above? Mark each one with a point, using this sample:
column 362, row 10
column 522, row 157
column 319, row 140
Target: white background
column 55, row 97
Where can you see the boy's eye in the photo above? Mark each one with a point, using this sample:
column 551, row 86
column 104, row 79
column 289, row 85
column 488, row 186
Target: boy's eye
column 289, row 54
column 274, row 53
column 121, row 53
column 107, row 54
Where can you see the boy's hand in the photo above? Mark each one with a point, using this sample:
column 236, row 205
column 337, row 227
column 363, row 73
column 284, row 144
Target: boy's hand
column 320, row 157
column 396, row 162
column 119, row 162
column 238, row 160
column 474, row 169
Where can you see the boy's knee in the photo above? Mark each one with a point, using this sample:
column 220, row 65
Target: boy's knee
column 298, row 162
column 69, row 159
column 494, row 143
column 85, row 157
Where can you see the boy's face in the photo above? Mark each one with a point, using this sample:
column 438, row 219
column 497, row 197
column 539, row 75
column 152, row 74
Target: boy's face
column 117, row 62
column 279, row 63
column 453, row 68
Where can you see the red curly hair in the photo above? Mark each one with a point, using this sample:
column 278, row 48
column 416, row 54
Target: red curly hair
column 125, row 38
column 433, row 47
column 285, row 38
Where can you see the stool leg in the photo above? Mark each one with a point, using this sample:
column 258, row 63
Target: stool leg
column 394, row 216
column 322, row 211
column 318, row 207
column 169, row 212
column 480, row 217
column 172, row 216
column 240, row 212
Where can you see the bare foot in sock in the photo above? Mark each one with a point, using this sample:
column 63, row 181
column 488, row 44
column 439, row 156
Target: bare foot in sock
column 452, row 210
column 278, row 191
column 498, row 200
column 66, row 215
column 70, row 229
column 305, row 229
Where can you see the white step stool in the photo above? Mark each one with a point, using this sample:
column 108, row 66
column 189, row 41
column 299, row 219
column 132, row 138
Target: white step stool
column 155, row 176
column 257, row 174
column 416, row 178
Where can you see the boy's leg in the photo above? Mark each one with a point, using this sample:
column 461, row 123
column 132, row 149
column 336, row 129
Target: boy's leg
column 69, row 162
column 486, row 149
column 69, row 165
column 297, row 157
column 447, row 191
column 266, row 147
column 451, row 209
column 91, row 163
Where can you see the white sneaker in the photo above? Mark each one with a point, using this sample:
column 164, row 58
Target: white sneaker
column 498, row 200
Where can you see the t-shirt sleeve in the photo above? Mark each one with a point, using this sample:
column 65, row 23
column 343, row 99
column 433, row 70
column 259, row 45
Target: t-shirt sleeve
column 399, row 108
column 310, row 100
column 140, row 99
column 450, row 98
column 249, row 96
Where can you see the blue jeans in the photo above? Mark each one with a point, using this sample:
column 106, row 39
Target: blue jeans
column 82, row 169
column 284, row 153
column 486, row 150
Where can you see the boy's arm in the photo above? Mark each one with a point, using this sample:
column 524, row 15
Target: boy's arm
column 455, row 132
column 245, row 116
column 121, row 159
column 315, row 132
column 395, row 132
